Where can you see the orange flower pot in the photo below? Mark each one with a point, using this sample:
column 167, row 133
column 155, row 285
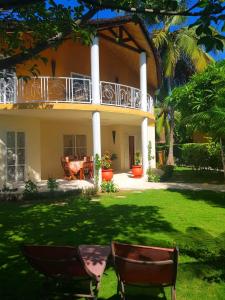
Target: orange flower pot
column 137, row 171
column 107, row 174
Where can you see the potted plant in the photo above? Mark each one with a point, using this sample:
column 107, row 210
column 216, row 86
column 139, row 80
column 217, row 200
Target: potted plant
column 137, row 170
column 106, row 164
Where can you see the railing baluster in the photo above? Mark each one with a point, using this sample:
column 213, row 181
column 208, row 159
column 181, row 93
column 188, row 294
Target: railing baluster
column 66, row 89
column 47, row 89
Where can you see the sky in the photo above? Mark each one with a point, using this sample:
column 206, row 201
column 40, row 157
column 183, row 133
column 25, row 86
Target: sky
column 109, row 14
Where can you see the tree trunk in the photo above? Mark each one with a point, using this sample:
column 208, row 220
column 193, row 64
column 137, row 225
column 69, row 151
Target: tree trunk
column 222, row 156
column 170, row 159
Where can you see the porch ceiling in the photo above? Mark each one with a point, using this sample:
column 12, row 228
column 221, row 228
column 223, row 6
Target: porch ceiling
column 107, row 117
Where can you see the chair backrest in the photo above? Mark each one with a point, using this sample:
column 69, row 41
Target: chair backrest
column 145, row 265
column 56, row 261
column 65, row 166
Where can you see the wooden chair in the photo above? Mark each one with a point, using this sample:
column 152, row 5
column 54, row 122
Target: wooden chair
column 88, row 169
column 69, row 174
column 145, row 266
column 64, row 264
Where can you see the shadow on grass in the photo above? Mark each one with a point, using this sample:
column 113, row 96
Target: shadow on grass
column 71, row 223
column 216, row 199
column 84, row 222
column 187, row 175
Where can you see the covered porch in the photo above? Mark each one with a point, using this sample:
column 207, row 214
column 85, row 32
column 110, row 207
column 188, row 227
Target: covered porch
column 50, row 133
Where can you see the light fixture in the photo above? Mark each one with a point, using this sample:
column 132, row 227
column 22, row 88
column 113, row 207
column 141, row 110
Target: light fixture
column 114, row 136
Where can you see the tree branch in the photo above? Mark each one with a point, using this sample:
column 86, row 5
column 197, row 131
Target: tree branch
column 21, row 57
column 7, row 5
column 162, row 12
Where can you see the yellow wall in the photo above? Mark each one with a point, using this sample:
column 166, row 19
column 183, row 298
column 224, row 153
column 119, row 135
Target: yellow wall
column 74, row 57
column 44, row 143
column 31, row 127
column 52, row 144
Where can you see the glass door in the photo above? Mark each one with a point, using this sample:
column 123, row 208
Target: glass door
column 15, row 142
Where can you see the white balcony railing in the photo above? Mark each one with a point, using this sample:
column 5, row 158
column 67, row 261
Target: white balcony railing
column 69, row 89
column 54, row 89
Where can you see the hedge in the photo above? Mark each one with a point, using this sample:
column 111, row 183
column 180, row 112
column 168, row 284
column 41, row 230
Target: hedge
column 199, row 156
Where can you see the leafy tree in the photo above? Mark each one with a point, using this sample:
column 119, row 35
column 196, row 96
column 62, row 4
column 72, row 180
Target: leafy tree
column 202, row 103
column 177, row 47
column 29, row 27
column 51, row 23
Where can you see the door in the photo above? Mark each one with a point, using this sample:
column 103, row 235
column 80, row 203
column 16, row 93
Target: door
column 131, row 151
column 15, row 142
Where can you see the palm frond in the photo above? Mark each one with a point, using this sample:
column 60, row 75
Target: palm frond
column 160, row 38
column 187, row 42
column 170, row 57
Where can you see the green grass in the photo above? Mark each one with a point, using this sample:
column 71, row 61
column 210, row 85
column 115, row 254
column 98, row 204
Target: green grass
column 194, row 221
column 187, row 175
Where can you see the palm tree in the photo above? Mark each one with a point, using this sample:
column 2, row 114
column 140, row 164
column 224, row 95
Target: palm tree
column 178, row 47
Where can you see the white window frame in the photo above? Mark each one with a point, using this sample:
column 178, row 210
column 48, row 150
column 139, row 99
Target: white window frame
column 79, row 75
column 74, row 142
column 16, row 165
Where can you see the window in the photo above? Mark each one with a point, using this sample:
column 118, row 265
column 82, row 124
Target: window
column 80, row 87
column 15, row 143
column 75, row 145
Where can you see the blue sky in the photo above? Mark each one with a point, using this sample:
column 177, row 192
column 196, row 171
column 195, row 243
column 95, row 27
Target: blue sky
column 109, row 14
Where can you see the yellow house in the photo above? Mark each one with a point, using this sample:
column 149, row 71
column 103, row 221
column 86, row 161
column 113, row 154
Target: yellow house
column 87, row 100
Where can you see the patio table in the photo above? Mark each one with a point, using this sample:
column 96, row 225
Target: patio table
column 76, row 165
column 95, row 258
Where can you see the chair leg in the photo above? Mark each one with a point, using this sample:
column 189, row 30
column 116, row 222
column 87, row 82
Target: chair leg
column 121, row 290
column 173, row 293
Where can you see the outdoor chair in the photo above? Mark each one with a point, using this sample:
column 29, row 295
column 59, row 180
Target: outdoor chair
column 69, row 173
column 145, row 267
column 88, row 169
column 64, row 266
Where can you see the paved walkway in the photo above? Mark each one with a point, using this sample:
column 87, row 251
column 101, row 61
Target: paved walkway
column 125, row 182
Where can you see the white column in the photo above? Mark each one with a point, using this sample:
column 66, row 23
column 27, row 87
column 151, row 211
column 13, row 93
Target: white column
column 143, row 80
column 96, row 129
column 144, row 124
column 95, row 71
column 96, row 121
column 144, row 143
column 151, row 138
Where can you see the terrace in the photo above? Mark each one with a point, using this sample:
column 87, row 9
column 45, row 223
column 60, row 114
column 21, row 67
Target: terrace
column 69, row 90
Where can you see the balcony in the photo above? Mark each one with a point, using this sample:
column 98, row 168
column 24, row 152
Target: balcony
column 69, row 90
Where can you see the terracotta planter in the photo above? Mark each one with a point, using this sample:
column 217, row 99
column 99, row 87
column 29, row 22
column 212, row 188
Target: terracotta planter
column 137, row 171
column 107, row 175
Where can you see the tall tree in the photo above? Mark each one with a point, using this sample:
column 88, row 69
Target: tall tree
column 202, row 103
column 176, row 47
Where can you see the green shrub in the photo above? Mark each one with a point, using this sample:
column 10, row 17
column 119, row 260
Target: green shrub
column 109, row 187
column 30, row 189
column 52, row 184
column 89, row 193
column 168, row 173
column 202, row 156
column 152, row 177
column 137, row 159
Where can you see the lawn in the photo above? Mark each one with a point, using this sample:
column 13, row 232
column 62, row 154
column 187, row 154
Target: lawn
column 188, row 175
column 194, row 221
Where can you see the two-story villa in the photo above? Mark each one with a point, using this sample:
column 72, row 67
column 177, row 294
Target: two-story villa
column 87, row 100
